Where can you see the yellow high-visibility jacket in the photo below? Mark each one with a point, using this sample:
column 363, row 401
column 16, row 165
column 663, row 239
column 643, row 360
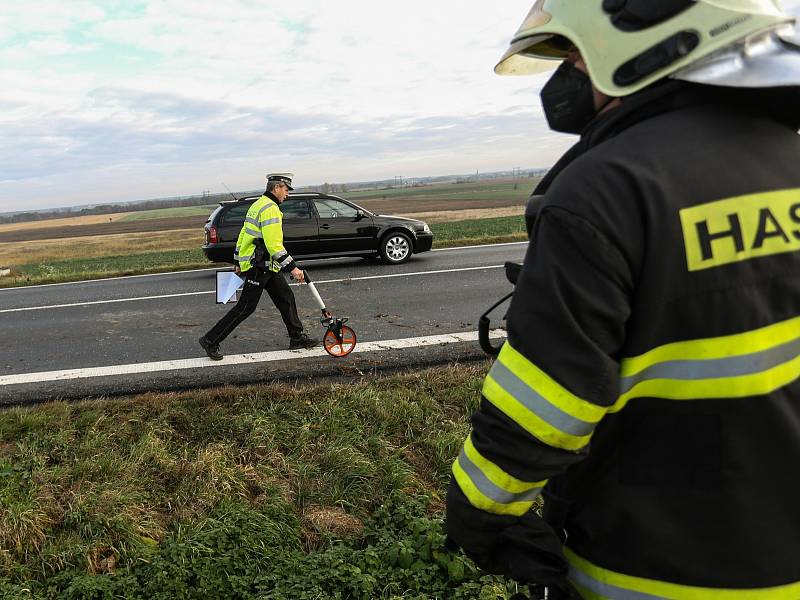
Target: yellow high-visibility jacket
column 264, row 221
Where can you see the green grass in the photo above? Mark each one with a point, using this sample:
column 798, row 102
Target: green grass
column 164, row 213
column 456, row 233
column 478, row 229
column 107, row 266
column 255, row 492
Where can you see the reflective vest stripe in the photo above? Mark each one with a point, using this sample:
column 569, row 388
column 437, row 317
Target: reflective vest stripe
column 538, row 403
column 489, row 488
column 270, row 221
column 745, row 364
column 252, row 231
column 282, row 259
column 269, row 204
column 596, row 583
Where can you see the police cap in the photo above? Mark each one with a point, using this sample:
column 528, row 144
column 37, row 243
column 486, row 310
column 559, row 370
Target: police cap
column 282, row 178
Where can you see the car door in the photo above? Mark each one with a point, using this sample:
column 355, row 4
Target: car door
column 343, row 228
column 300, row 228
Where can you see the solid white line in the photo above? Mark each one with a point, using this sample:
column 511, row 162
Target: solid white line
column 161, row 297
column 27, row 287
column 239, row 359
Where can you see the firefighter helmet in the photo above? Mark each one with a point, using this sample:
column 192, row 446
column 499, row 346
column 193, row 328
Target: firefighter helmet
column 629, row 44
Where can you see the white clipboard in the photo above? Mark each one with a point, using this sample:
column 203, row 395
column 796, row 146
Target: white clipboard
column 228, row 283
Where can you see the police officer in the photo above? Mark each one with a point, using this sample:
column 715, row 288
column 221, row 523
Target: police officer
column 260, row 257
column 648, row 389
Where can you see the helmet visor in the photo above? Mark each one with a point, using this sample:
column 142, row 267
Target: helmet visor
column 534, row 54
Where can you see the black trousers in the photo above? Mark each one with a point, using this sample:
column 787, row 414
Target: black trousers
column 257, row 281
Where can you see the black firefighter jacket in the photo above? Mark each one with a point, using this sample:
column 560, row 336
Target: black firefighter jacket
column 649, row 384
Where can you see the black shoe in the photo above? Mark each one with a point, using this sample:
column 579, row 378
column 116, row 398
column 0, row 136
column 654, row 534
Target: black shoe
column 211, row 349
column 302, row 342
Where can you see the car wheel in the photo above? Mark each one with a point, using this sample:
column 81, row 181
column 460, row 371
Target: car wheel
column 396, row 248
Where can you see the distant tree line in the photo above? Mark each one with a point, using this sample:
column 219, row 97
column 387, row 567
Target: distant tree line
column 207, row 198
column 106, row 209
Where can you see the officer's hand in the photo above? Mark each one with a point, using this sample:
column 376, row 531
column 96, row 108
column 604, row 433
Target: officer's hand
column 236, row 269
column 297, row 275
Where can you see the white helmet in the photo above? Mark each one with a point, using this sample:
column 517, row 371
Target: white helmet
column 629, row 44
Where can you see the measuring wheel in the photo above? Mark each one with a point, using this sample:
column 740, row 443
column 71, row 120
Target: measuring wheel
column 339, row 343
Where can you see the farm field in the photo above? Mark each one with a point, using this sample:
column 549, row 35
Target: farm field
column 495, row 197
column 169, row 239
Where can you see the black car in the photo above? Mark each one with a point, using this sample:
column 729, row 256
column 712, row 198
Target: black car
column 319, row 226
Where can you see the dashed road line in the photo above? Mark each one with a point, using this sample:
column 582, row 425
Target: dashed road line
column 320, row 282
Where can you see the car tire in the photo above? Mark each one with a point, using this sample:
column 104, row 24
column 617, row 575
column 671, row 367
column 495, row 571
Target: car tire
column 396, row 248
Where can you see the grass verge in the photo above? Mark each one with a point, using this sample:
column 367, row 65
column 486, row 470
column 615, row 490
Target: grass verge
column 326, row 491
column 77, row 268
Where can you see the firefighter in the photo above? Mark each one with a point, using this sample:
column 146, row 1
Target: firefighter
column 648, row 388
column 260, row 257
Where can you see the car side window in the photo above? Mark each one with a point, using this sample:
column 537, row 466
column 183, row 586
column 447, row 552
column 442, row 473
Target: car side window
column 235, row 214
column 331, row 209
column 296, row 209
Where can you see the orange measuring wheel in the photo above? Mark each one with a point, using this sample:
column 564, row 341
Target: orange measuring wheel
column 340, row 345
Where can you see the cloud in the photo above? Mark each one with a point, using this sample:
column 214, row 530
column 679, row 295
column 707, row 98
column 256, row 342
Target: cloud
column 146, row 97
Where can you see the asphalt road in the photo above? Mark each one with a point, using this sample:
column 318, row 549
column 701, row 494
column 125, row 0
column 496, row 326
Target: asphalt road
column 134, row 334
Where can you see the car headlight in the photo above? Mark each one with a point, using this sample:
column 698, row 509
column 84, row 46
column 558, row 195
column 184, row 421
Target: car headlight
column 424, row 228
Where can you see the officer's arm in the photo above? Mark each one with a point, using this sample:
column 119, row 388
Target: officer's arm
column 271, row 224
column 549, row 388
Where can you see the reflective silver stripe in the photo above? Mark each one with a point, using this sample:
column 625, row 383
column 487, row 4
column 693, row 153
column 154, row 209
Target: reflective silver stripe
column 286, row 261
column 250, row 232
column 489, row 489
column 715, row 368
column 251, row 220
column 263, row 208
column 606, row 590
column 241, row 258
column 538, row 404
column 279, row 255
column 270, row 221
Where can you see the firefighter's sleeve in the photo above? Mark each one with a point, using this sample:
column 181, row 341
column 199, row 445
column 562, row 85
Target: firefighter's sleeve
column 550, row 386
column 271, row 225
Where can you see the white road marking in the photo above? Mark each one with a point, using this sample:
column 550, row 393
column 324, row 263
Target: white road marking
column 161, row 297
column 239, row 359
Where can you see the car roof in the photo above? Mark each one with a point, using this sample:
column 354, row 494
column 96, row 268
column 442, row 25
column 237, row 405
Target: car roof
column 297, row 195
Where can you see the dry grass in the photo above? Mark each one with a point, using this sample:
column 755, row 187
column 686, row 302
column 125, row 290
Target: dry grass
column 449, row 216
column 123, row 244
column 56, row 224
column 94, row 246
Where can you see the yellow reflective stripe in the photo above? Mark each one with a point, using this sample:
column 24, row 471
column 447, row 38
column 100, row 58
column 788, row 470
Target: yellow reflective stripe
column 716, row 347
column 489, row 488
column 596, row 583
column 752, row 363
column 538, row 403
column 498, row 476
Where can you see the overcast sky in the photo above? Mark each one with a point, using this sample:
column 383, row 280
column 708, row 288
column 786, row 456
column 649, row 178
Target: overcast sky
column 113, row 100
column 110, row 100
